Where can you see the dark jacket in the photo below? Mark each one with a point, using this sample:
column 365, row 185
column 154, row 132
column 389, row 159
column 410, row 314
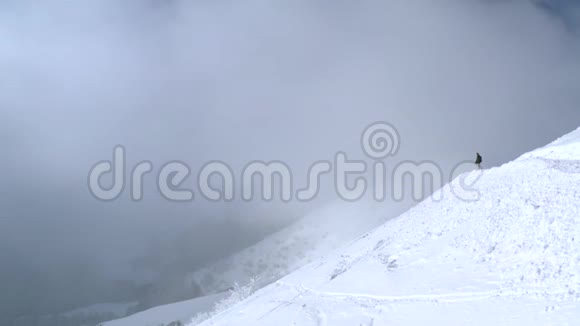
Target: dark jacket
column 478, row 159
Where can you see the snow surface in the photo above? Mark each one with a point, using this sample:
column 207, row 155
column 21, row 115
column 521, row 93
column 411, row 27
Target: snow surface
column 510, row 258
column 163, row 315
column 283, row 252
column 279, row 254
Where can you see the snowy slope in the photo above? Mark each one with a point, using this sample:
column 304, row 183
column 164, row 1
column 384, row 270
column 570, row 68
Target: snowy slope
column 510, row 258
column 274, row 257
column 164, row 315
column 291, row 248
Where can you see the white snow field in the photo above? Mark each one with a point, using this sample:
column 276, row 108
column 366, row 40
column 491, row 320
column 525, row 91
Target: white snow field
column 510, row 258
column 283, row 252
column 166, row 314
column 279, row 254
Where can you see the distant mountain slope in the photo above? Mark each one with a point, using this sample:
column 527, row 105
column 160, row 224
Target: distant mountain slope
column 166, row 314
column 510, row 258
column 274, row 257
column 287, row 250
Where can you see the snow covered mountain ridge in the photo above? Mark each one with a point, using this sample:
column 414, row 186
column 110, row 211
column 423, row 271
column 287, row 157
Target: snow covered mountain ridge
column 510, row 258
column 279, row 254
column 285, row 251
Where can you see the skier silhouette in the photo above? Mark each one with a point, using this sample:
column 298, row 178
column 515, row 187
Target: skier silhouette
column 478, row 161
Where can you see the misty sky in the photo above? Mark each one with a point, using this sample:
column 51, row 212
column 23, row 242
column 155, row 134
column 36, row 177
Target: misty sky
column 295, row 81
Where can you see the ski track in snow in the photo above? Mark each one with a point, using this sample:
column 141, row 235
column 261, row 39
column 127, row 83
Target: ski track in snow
column 445, row 297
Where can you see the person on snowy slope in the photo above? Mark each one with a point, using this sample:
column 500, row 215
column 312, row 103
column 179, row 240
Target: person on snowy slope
column 478, row 160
